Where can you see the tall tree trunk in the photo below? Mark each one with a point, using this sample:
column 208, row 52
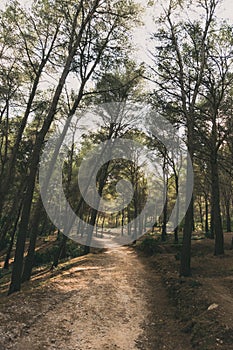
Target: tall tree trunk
column 122, row 221
column 60, row 251
column 176, row 230
column 102, row 226
column 94, row 212
column 212, row 230
column 185, row 264
column 228, row 215
column 216, row 211
column 8, row 254
column 164, row 224
column 165, row 200
column 23, row 226
column 102, row 181
column 29, row 260
column 206, row 215
column 10, row 174
column 75, row 40
column 7, row 224
column 129, row 220
column 201, row 213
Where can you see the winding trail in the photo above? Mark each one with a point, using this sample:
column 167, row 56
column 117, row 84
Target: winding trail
column 112, row 300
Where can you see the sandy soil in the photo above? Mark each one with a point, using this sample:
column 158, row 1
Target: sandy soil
column 112, row 300
column 120, row 299
column 204, row 301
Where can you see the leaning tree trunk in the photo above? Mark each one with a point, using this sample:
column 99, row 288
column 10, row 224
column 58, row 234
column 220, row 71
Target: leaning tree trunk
column 29, row 260
column 36, row 218
column 10, row 174
column 11, row 215
column 59, row 254
column 23, row 226
column 13, row 234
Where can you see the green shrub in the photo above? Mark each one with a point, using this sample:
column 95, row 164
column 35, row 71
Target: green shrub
column 209, row 235
column 73, row 250
column 150, row 245
column 5, row 242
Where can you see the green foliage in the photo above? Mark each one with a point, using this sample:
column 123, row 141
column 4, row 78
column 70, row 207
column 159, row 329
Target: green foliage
column 4, row 242
column 150, row 245
column 73, row 250
column 209, row 235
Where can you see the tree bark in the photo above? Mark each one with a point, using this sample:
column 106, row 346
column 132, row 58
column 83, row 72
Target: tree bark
column 176, row 230
column 206, row 215
column 60, row 251
column 23, row 226
column 29, row 260
column 216, row 210
column 164, row 224
column 10, row 174
column 185, row 263
column 8, row 254
column 228, row 215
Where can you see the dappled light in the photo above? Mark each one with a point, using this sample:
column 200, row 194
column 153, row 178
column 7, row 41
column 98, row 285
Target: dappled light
column 116, row 174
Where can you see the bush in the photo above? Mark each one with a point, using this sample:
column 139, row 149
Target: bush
column 209, row 235
column 150, row 245
column 73, row 250
column 5, row 242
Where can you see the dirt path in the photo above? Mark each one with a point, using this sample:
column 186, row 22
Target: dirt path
column 112, row 300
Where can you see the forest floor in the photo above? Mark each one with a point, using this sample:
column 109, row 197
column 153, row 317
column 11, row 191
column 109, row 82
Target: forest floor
column 122, row 299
